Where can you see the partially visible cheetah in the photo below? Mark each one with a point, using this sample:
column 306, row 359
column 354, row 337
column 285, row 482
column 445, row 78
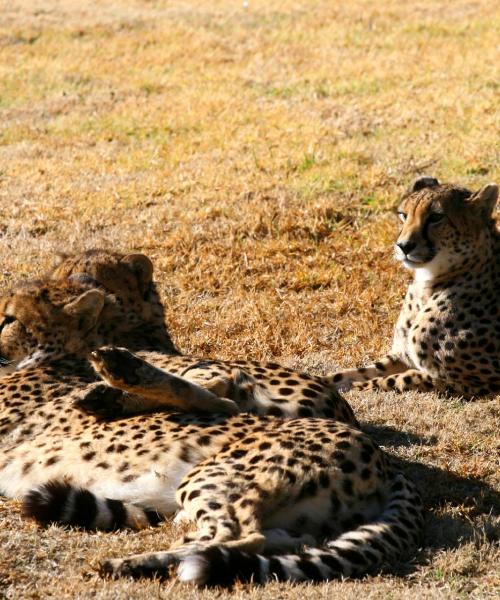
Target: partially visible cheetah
column 258, row 387
column 447, row 335
column 296, row 500
column 41, row 322
column 129, row 277
column 251, row 484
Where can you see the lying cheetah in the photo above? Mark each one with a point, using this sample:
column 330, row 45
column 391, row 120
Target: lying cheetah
column 448, row 331
column 261, row 388
column 84, row 317
column 252, row 484
column 129, row 277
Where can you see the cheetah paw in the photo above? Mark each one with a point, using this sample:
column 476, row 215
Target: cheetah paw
column 100, row 400
column 141, row 565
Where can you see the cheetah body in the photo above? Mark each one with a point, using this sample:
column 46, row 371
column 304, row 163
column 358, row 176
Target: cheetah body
column 250, row 483
column 447, row 334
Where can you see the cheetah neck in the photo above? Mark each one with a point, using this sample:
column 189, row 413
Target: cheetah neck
column 143, row 336
column 431, row 277
column 148, row 337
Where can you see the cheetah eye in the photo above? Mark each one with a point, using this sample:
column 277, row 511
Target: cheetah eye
column 402, row 216
column 434, row 218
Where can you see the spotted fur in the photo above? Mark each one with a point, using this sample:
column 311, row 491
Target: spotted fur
column 447, row 335
column 249, row 483
column 129, row 277
column 265, row 388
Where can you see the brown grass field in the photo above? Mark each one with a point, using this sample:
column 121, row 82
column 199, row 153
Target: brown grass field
column 256, row 153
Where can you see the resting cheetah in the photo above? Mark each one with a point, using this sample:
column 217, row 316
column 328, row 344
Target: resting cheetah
column 251, row 483
column 261, row 388
column 129, row 277
column 282, row 486
column 447, row 334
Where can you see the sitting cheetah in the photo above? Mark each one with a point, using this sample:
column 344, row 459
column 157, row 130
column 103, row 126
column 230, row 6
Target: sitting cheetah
column 261, row 388
column 252, row 484
column 448, row 331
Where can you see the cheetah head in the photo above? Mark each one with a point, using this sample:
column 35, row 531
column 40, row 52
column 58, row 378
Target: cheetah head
column 40, row 321
column 129, row 277
column 445, row 229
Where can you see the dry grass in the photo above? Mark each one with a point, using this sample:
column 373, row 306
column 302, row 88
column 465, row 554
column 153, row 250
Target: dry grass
column 255, row 154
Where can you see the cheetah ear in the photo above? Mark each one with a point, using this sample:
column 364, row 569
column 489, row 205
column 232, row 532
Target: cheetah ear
column 485, row 199
column 142, row 267
column 423, row 182
column 87, row 308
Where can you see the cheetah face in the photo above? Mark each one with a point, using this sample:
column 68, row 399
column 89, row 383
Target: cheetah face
column 42, row 321
column 444, row 227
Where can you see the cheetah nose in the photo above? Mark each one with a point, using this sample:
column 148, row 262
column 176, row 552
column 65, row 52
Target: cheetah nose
column 407, row 246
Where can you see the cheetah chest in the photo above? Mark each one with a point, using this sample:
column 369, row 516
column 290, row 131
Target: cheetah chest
column 423, row 331
column 449, row 334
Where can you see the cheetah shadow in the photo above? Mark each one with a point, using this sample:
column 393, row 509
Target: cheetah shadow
column 388, row 436
column 442, row 491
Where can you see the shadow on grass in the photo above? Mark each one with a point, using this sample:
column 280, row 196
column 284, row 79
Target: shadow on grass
column 476, row 502
column 388, row 436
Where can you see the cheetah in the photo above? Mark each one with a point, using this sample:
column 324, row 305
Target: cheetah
column 447, row 334
column 91, row 318
column 129, row 277
column 258, row 488
column 276, row 504
column 264, row 388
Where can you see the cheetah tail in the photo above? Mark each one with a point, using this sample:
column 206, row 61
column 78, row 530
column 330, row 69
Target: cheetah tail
column 363, row 550
column 60, row 502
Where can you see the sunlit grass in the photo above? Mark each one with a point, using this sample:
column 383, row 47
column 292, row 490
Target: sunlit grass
column 256, row 154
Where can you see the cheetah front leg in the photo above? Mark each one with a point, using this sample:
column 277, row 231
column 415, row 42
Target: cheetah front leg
column 150, row 388
column 391, row 364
